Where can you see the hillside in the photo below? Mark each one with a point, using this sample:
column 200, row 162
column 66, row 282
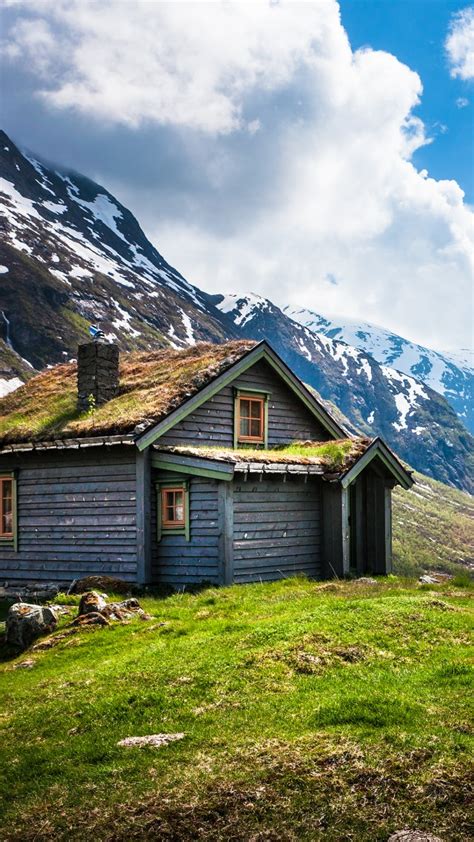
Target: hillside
column 450, row 374
column 71, row 254
column 433, row 528
column 306, row 711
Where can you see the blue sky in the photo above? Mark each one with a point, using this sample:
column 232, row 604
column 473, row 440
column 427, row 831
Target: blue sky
column 415, row 31
column 314, row 153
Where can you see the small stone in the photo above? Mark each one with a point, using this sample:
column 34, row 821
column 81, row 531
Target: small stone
column 365, row 580
column 428, row 580
column 413, row 836
column 25, row 665
column 153, row 740
column 26, row 622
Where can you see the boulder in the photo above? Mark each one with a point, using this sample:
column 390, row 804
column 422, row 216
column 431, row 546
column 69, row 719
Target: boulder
column 91, row 602
column 94, row 610
column 103, row 583
column 125, row 610
column 27, row 622
column 93, row 618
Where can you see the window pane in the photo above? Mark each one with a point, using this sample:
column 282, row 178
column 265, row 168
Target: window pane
column 244, row 427
column 255, row 409
column 244, row 408
column 179, row 512
column 7, row 507
column 256, row 428
column 169, row 499
column 169, row 513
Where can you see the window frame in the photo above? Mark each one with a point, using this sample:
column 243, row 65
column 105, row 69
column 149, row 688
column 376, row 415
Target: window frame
column 164, row 528
column 252, row 395
column 9, row 539
column 175, row 523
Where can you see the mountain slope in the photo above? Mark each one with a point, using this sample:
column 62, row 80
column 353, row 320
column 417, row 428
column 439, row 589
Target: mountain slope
column 433, row 528
column 71, row 254
column 450, row 374
column 415, row 421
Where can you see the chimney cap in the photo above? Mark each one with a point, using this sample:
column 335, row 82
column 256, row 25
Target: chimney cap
column 96, row 333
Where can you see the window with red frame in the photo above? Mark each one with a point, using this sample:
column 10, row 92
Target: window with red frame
column 173, row 507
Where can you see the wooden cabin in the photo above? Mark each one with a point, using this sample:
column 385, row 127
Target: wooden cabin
column 213, row 464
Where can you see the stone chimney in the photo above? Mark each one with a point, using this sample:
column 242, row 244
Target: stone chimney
column 97, row 374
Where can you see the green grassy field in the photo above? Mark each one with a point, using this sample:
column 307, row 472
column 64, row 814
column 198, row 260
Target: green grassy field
column 311, row 711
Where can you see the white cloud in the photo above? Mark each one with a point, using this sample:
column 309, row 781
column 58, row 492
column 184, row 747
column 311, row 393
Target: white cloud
column 181, row 63
column 307, row 157
column 460, row 44
column 462, row 102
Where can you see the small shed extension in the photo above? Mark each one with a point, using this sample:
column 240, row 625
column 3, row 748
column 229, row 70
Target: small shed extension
column 318, row 508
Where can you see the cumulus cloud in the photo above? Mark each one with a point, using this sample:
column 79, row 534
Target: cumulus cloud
column 182, row 63
column 460, row 44
column 294, row 153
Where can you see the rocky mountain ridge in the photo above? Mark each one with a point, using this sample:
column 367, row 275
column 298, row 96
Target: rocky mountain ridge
column 449, row 373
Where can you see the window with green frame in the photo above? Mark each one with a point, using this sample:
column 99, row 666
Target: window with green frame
column 172, row 504
column 8, row 510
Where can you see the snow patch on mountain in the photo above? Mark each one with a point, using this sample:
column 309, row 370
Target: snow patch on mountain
column 9, row 385
column 191, row 340
column 447, row 372
column 243, row 308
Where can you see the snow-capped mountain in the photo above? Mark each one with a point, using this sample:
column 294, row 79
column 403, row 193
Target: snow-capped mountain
column 449, row 373
column 71, row 254
column 377, row 399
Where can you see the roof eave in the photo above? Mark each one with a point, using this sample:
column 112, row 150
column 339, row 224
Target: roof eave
column 378, row 449
column 73, row 443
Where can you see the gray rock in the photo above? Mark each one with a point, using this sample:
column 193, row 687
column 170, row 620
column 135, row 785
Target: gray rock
column 91, row 602
column 413, row 836
column 26, row 622
column 428, row 580
column 365, row 580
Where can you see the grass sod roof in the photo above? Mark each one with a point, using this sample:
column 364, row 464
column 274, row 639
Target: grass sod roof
column 333, row 456
column 152, row 384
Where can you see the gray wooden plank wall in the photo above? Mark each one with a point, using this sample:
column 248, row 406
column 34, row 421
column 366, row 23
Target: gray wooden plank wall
column 181, row 563
column 76, row 516
column 277, row 529
column 213, row 422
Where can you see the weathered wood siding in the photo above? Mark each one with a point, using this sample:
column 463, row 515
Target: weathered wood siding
column 76, row 516
column 178, row 562
column 277, row 529
column 213, row 422
column 357, row 527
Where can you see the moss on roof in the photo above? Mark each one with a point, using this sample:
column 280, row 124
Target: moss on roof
column 334, row 456
column 152, row 384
